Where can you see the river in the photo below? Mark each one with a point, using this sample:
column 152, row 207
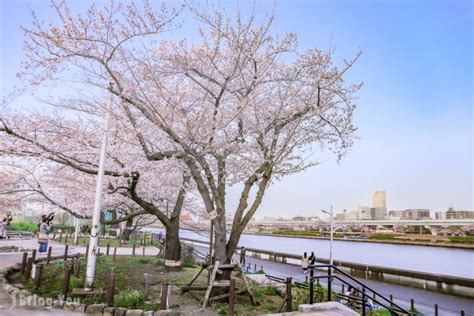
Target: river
column 437, row 260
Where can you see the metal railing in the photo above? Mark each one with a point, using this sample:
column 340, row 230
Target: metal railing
column 378, row 298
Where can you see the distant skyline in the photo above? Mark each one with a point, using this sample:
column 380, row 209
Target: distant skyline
column 414, row 115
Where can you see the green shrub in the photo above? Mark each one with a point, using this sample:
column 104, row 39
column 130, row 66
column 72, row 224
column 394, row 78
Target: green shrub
column 144, row 260
column 23, row 225
column 462, row 239
column 382, row 236
column 129, row 298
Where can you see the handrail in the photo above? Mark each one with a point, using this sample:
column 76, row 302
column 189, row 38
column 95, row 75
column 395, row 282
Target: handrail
column 399, row 309
column 329, row 267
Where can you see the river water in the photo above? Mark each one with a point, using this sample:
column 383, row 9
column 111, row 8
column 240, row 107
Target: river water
column 438, row 260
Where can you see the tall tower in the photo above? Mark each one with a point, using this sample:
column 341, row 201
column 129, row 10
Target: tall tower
column 379, row 200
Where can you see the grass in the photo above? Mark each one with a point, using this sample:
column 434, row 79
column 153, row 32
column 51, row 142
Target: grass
column 462, row 239
column 383, row 236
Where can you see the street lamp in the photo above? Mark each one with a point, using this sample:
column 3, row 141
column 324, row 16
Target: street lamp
column 330, row 213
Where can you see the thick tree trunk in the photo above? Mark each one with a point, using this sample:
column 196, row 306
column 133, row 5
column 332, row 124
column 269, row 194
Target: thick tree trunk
column 172, row 246
column 220, row 240
column 128, row 229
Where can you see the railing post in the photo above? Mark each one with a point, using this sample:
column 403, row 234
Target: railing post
column 38, row 274
column 77, row 270
column 329, row 283
column 29, row 265
column 436, row 309
column 66, row 248
column 23, row 263
column 111, row 288
column 48, row 259
column 363, row 301
column 289, row 297
column 133, row 251
column 164, row 295
column 342, row 289
column 67, row 279
column 311, row 285
column 412, row 304
column 231, row 296
column 108, row 249
column 462, row 313
column 115, row 252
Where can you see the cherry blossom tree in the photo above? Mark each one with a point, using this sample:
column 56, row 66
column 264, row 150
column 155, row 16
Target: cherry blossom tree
column 56, row 157
column 236, row 104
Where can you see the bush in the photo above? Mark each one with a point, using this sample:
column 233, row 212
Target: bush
column 23, row 225
column 382, row 236
column 129, row 298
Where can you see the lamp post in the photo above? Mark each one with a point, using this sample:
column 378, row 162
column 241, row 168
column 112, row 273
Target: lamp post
column 331, row 232
column 93, row 242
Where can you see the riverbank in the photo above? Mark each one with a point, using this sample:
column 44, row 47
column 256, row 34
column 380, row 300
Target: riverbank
column 378, row 241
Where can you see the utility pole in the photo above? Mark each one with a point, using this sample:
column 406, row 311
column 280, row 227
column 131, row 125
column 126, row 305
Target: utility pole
column 93, row 242
column 331, row 232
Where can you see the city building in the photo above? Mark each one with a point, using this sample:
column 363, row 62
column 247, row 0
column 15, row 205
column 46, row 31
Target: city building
column 379, row 200
column 363, row 213
column 439, row 215
column 395, row 214
column 452, row 214
column 416, row 214
column 378, row 213
column 341, row 217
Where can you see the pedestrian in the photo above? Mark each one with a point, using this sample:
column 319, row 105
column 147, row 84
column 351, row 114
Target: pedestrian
column 312, row 258
column 305, row 262
column 2, row 230
column 242, row 256
column 7, row 221
column 43, row 239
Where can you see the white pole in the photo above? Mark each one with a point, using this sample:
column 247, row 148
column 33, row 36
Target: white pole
column 330, row 242
column 91, row 259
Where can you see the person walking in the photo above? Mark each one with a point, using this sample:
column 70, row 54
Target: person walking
column 242, row 257
column 43, row 234
column 2, row 230
column 305, row 262
column 312, row 258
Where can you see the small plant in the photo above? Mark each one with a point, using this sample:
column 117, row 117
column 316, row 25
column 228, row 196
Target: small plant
column 144, row 260
column 273, row 290
column 189, row 264
column 129, row 298
column 23, row 225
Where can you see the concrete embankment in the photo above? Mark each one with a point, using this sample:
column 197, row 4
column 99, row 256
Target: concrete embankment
column 445, row 284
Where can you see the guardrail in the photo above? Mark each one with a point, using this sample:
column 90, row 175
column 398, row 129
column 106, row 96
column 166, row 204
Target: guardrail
column 435, row 282
column 19, row 234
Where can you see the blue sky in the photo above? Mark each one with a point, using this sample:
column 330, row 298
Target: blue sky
column 414, row 119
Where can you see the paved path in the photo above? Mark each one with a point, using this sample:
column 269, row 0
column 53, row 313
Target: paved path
column 10, row 258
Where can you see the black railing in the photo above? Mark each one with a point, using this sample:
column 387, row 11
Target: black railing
column 378, row 298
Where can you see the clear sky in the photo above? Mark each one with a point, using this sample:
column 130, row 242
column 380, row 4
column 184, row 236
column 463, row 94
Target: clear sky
column 414, row 119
